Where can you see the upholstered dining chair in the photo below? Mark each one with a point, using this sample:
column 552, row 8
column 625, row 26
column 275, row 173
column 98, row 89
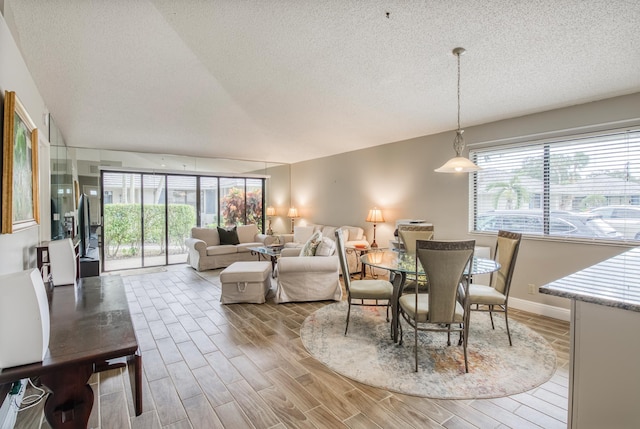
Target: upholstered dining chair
column 495, row 296
column 410, row 233
column 360, row 290
column 443, row 308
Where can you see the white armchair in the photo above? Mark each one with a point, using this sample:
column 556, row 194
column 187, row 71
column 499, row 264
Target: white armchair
column 307, row 278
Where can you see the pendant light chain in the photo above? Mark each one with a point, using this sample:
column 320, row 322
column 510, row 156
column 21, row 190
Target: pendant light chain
column 458, row 55
column 459, row 164
column 458, row 141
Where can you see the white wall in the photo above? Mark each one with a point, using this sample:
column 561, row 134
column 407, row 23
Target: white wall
column 17, row 251
column 399, row 178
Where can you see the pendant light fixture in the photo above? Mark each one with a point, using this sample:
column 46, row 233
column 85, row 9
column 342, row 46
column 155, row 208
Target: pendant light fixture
column 458, row 164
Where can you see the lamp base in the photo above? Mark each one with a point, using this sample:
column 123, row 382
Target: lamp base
column 374, row 245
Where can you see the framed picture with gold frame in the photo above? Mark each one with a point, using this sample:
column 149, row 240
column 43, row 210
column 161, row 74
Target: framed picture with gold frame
column 20, row 200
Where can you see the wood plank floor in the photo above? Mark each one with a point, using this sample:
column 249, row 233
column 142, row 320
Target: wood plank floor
column 208, row 365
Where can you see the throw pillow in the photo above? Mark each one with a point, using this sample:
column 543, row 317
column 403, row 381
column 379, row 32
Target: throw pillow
column 327, row 247
column 309, row 248
column 247, row 233
column 228, row 236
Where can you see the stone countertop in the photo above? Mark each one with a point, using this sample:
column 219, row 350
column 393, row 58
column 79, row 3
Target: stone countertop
column 613, row 283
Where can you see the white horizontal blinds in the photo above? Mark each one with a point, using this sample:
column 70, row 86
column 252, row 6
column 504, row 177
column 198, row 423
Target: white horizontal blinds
column 507, row 184
column 564, row 188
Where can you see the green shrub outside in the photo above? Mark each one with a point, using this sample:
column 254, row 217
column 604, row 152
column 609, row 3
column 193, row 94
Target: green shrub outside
column 233, row 208
column 122, row 232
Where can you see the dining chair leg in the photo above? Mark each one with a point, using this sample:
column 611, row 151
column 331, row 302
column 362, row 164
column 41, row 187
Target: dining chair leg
column 348, row 314
column 416, row 347
column 448, row 335
column 491, row 316
column 388, row 305
column 506, row 321
column 464, row 346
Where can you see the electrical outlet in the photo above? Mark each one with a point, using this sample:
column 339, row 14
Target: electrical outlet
column 532, row 289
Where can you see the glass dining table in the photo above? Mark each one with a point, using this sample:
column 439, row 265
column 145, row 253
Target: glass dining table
column 401, row 264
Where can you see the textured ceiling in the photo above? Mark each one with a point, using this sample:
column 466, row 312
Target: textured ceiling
column 286, row 81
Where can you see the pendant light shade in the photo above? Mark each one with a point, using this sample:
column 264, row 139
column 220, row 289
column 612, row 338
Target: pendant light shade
column 458, row 164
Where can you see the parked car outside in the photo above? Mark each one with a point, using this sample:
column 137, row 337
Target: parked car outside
column 561, row 223
column 624, row 219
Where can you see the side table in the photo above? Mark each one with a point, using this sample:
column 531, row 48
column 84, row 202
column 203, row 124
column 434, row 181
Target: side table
column 359, row 251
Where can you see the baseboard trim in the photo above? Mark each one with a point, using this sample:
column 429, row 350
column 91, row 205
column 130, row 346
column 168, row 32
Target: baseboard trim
column 541, row 309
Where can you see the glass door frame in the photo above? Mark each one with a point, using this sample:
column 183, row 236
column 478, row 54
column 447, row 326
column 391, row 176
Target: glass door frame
column 198, row 207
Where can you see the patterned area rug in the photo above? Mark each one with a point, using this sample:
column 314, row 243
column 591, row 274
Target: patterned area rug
column 368, row 355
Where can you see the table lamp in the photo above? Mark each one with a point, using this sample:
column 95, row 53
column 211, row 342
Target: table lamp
column 270, row 212
column 293, row 214
column 375, row 216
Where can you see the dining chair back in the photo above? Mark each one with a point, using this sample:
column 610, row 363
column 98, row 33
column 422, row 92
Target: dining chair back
column 409, row 234
column 443, row 308
column 495, row 296
column 362, row 292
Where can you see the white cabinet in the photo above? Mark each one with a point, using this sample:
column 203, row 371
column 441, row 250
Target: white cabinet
column 604, row 387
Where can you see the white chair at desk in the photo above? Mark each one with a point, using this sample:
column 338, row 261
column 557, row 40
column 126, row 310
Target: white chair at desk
column 62, row 258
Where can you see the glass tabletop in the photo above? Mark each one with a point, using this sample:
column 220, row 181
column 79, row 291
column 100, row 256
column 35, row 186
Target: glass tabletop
column 267, row 250
column 404, row 262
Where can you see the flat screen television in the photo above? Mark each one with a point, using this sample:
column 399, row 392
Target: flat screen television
column 84, row 224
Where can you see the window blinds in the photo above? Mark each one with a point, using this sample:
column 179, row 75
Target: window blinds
column 585, row 187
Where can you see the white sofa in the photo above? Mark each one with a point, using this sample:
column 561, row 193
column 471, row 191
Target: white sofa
column 206, row 252
column 354, row 235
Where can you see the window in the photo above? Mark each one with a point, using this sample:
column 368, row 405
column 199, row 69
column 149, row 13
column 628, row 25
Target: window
column 585, row 187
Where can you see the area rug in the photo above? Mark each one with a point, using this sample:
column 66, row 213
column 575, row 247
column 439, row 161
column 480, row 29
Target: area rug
column 368, row 355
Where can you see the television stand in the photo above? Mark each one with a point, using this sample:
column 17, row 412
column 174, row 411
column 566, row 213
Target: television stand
column 89, row 267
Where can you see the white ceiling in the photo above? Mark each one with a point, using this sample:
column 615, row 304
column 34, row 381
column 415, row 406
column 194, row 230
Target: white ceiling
column 291, row 80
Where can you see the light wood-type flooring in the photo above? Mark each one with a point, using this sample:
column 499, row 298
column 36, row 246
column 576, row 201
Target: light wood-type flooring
column 208, row 365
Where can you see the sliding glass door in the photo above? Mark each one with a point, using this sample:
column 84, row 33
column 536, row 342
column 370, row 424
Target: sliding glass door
column 182, row 208
column 147, row 217
column 122, row 227
column 154, row 222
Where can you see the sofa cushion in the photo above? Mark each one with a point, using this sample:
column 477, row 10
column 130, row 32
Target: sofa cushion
column 208, row 235
column 221, row 249
column 327, row 247
column 247, row 233
column 309, row 248
column 355, row 233
column 329, row 232
column 301, row 234
column 228, row 236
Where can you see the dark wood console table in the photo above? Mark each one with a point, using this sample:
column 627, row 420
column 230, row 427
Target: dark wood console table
column 90, row 327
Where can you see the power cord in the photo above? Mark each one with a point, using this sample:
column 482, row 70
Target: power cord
column 31, row 400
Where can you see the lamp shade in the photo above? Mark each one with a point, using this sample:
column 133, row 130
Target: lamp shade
column 271, row 211
column 459, row 164
column 293, row 212
column 375, row 216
